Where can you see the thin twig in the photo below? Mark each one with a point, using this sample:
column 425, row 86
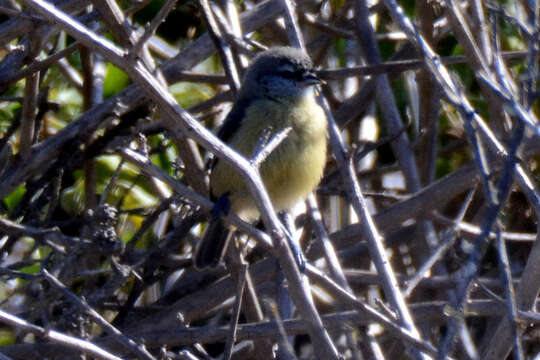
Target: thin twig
column 266, row 147
column 447, row 241
column 28, row 121
column 153, row 171
column 152, row 27
column 81, row 303
column 389, row 324
column 66, row 341
column 36, row 66
column 512, row 310
column 291, row 25
column 223, row 48
column 231, row 339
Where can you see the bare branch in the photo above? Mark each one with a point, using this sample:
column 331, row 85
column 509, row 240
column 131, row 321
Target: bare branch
column 66, row 341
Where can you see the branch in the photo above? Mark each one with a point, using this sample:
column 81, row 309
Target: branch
column 66, row 341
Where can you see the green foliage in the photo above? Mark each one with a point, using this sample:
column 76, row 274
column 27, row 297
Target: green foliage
column 68, row 98
column 129, row 190
column 188, row 94
column 340, row 46
column 13, row 199
column 7, row 337
column 115, row 81
column 8, row 111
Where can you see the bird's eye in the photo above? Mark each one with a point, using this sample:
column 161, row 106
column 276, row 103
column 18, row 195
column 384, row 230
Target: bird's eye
column 288, row 74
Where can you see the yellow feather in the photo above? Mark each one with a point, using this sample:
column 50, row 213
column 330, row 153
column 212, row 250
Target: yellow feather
column 293, row 169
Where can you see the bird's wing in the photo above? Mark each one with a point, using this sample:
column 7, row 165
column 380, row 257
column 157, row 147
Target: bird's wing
column 233, row 120
column 229, row 127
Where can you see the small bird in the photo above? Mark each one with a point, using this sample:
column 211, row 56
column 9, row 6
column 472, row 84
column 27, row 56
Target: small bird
column 278, row 92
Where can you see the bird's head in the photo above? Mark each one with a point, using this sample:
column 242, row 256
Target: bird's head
column 279, row 72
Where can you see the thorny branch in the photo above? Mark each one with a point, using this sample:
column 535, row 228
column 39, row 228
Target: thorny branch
column 446, row 207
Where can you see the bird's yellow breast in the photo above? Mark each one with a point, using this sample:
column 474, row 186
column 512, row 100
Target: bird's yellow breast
column 293, row 169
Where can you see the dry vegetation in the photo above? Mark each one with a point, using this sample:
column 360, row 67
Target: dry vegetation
column 420, row 240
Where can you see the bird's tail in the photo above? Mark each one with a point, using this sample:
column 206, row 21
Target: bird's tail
column 212, row 246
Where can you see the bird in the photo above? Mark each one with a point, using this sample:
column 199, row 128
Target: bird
column 278, row 91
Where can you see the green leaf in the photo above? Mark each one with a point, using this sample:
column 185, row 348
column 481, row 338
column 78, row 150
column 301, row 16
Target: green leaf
column 13, row 199
column 7, row 337
column 115, row 81
column 187, row 94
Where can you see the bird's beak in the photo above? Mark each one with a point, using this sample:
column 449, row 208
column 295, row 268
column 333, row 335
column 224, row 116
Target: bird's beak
column 309, row 78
